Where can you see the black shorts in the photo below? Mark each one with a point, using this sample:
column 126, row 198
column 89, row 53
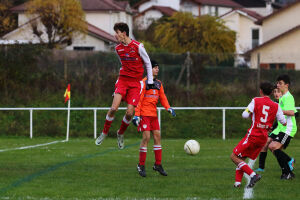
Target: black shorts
column 281, row 138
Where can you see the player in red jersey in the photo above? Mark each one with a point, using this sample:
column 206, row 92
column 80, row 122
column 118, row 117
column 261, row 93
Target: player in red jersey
column 263, row 112
column 146, row 120
column 128, row 87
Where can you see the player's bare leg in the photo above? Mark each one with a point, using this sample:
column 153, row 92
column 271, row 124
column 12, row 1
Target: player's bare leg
column 109, row 118
column 125, row 123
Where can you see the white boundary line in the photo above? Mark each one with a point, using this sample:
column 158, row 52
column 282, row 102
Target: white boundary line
column 248, row 192
column 32, row 146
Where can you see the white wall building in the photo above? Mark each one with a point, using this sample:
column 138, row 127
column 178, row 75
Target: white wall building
column 100, row 18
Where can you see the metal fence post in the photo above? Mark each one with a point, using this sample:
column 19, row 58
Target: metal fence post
column 224, row 124
column 95, row 123
column 31, row 123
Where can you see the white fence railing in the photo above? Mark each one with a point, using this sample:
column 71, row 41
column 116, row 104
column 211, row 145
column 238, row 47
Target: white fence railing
column 123, row 108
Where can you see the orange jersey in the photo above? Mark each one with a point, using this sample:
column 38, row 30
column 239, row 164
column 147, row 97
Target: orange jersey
column 147, row 105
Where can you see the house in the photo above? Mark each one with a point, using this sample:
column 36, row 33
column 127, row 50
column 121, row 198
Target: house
column 280, row 40
column 145, row 18
column 151, row 10
column 101, row 15
column 248, row 34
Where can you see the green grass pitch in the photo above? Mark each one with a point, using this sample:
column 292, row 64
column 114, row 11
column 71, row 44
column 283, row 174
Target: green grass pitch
column 79, row 169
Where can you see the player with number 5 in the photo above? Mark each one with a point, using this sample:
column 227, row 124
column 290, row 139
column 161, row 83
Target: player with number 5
column 263, row 112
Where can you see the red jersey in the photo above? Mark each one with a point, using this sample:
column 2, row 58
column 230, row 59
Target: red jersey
column 131, row 60
column 264, row 112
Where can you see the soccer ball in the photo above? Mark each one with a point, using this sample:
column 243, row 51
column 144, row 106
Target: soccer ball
column 192, row 147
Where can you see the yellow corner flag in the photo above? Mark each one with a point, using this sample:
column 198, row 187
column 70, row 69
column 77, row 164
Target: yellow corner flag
column 68, row 93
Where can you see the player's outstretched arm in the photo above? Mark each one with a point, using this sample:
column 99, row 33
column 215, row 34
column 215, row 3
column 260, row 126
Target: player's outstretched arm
column 249, row 110
column 147, row 62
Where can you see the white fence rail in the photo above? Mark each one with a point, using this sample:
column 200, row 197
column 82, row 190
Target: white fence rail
column 123, row 108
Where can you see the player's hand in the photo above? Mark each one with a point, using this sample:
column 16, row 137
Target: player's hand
column 150, row 86
column 172, row 111
column 136, row 120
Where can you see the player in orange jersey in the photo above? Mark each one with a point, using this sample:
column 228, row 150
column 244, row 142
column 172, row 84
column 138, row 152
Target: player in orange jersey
column 146, row 120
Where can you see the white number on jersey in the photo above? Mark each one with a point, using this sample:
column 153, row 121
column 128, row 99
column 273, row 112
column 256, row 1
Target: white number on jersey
column 265, row 112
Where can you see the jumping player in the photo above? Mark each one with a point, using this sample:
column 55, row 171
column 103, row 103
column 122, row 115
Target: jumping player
column 133, row 57
column 263, row 112
column 146, row 120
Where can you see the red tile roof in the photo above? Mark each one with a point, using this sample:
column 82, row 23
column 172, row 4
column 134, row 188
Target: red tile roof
column 89, row 5
column 93, row 30
column 248, row 12
column 274, row 39
column 139, row 3
column 167, row 11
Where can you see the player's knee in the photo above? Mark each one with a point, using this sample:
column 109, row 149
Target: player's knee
column 113, row 110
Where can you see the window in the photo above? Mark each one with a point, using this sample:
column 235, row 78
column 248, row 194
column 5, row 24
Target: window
column 84, row 48
column 217, row 11
column 255, row 38
column 277, row 66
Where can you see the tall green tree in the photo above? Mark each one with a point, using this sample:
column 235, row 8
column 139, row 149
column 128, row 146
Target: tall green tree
column 61, row 21
column 182, row 32
column 7, row 19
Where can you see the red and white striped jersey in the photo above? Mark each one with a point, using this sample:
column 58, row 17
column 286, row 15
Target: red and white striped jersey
column 264, row 111
column 133, row 57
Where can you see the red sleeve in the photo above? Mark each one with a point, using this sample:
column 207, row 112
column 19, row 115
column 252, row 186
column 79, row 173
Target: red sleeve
column 163, row 99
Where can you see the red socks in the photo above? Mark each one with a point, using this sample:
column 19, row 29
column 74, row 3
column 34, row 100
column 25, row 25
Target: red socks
column 143, row 154
column 157, row 152
column 238, row 175
column 124, row 125
column 107, row 124
column 245, row 168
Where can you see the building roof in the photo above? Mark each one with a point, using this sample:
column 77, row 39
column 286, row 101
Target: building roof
column 139, row 3
column 251, row 3
column 246, row 12
column 167, row 11
column 224, row 3
column 274, row 39
column 90, row 5
column 93, row 30
column 260, row 22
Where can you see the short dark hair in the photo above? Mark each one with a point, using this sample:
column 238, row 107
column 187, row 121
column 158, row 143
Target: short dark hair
column 285, row 78
column 154, row 63
column 267, row 88
column 123, row 27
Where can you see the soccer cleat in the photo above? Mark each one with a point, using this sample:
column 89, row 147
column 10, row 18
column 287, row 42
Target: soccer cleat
column 291, row 164
column 100, row 139
column 141, row 170
column 254, row 180
column 120, row 141
column 288, row 176
column 160, row 169
column 259, row 170
column 237, row 185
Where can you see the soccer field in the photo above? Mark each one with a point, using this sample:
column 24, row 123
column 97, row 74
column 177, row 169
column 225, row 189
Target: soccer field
column 79, row 169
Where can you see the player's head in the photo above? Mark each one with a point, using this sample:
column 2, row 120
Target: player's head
column 266, row 88
column 277, row 93
column 283, row 82
column 122, row 31
column 155, row 67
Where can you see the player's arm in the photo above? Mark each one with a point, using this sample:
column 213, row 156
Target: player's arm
column 280, row 116
column 249, row 110
column 136, row 119
column 164, row 101
column 289, row 107
column 138, row 107
column 147, row 62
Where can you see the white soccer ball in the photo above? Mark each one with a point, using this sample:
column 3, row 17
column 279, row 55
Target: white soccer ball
column 192, row 147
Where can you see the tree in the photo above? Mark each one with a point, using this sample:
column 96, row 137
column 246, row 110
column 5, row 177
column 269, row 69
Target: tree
column 7, row 20
column 182, row 33
column 61, row 20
